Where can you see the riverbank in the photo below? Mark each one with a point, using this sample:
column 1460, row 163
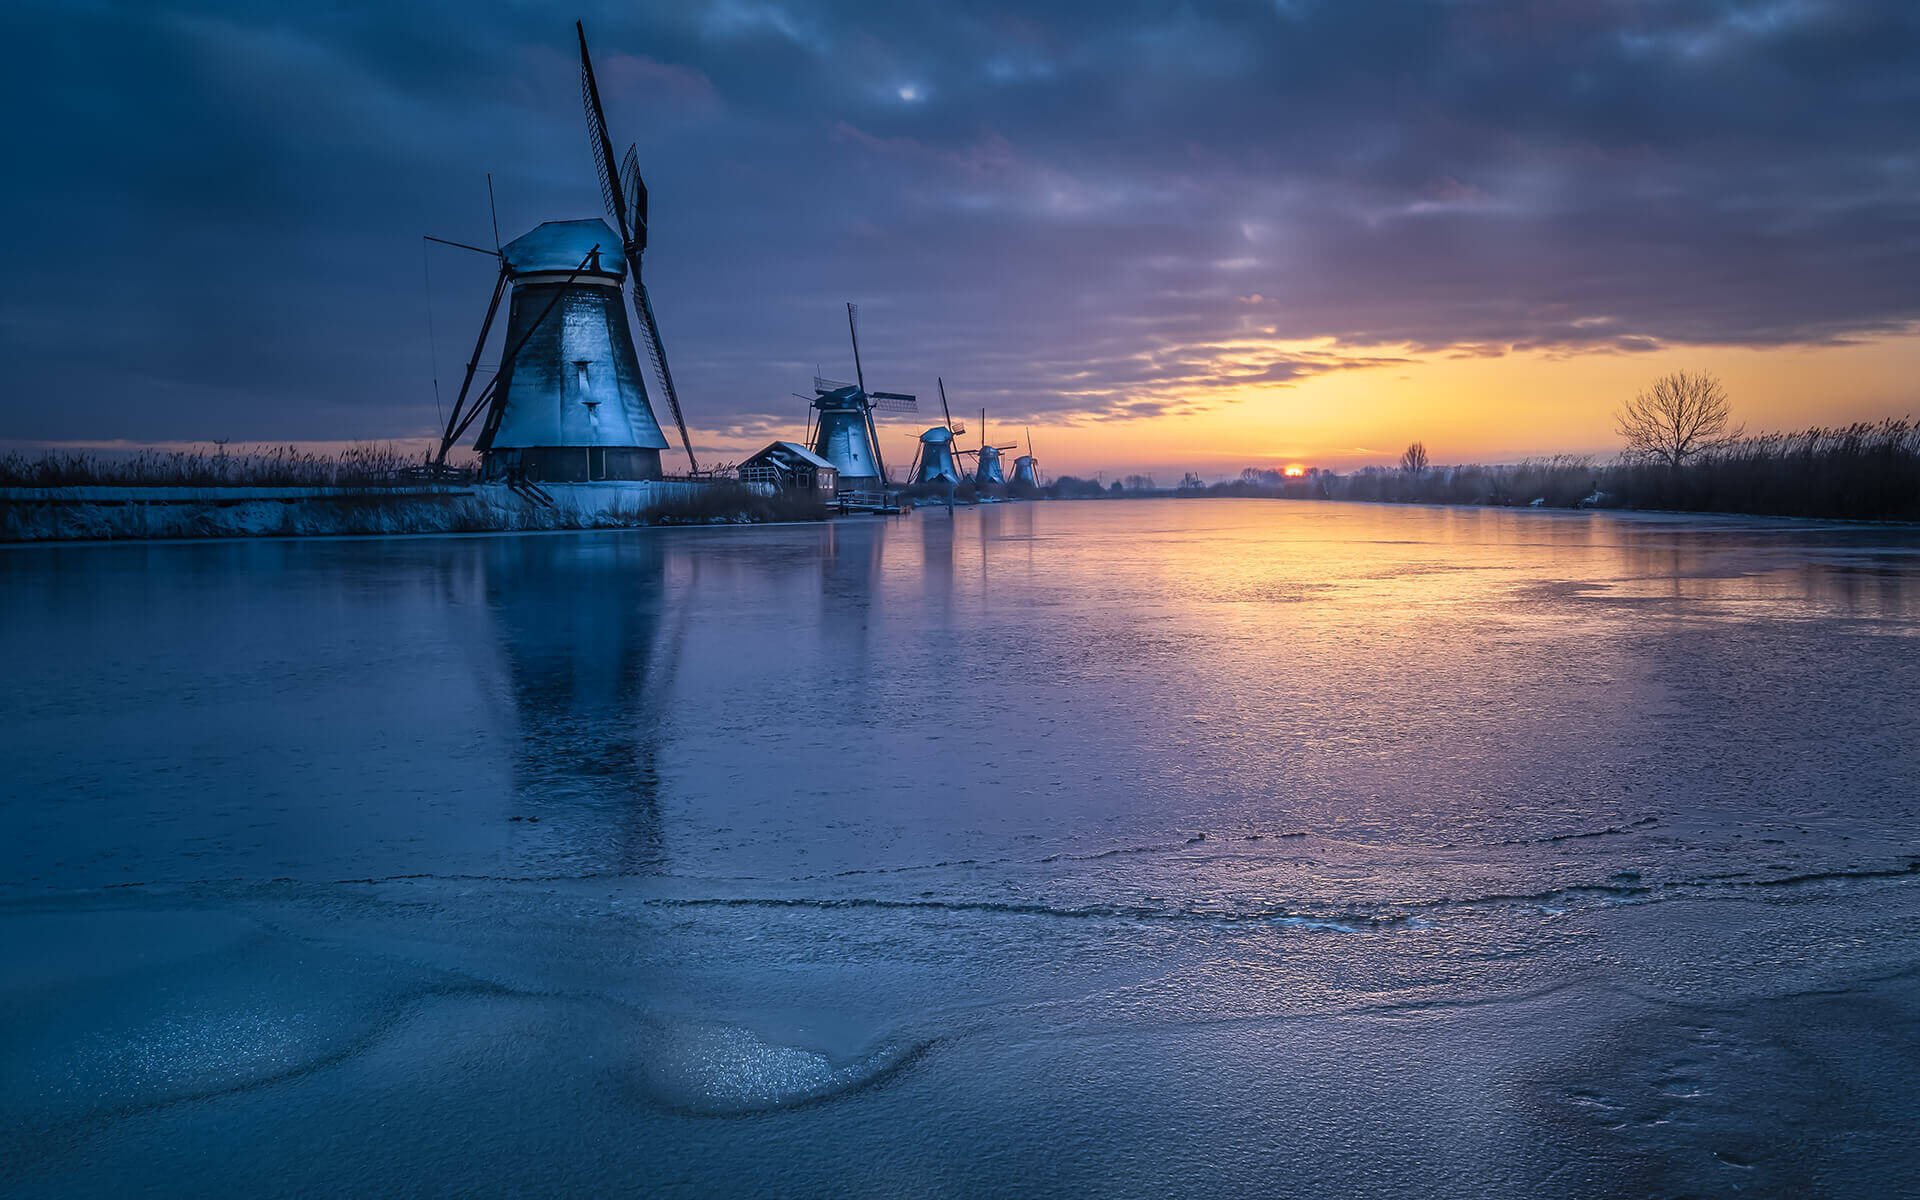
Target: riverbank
column 1860, row 472
column 142, row 513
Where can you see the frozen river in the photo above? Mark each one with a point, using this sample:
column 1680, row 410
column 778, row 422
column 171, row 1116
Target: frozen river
column 1156, row 848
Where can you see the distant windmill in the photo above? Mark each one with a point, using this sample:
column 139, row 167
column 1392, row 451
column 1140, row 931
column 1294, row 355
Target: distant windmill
column 987, row 473
column 936, row 462
column 569, row 402
column 844, row 433
column 1026, row 469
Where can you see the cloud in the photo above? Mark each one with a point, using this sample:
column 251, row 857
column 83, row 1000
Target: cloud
column 1091, row 212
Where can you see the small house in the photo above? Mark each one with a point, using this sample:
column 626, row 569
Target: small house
column 791, row 467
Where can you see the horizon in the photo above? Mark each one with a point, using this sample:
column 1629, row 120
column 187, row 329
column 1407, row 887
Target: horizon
column 1247, row 238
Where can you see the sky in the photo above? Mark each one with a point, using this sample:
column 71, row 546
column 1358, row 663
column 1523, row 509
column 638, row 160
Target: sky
column 1165, row 237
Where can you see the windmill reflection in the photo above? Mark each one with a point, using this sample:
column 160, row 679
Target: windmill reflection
column 936, row 557
column 852, row 556
column 589, row 650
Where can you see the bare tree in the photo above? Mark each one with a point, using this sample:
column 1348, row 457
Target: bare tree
column 1679, row 416
column 1414, row 460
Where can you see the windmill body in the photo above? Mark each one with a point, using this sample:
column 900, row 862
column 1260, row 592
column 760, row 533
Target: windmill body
column 1026, row 468
column 989, row 473
column 572, row 402
column 843, row 435
column 936, row 462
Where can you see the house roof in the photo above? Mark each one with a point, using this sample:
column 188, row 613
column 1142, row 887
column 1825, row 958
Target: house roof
column 794, row 451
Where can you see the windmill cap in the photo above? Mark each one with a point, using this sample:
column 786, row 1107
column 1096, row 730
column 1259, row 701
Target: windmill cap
column 847, row 396
column 560, row 245
column 939, row 433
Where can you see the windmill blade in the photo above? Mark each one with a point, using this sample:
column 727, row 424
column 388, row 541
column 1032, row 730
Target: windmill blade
column 448, row 438
column 896, row 402
column 873, row 439
column 643, row 308
column 944, row 410
column 823, row 385
column 634, row 189
column 853, row 328
column 602, row 144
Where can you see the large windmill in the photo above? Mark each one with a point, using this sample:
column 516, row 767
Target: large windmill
column 569, row 403
column 936, row 462
column 844, row 433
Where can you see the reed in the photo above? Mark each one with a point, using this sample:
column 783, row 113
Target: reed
column 1863, row 471
column 1868, row 471
column 371, row 464
column 732, row 503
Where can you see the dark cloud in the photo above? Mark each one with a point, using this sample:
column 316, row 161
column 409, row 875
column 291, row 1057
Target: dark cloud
column 1082, row 210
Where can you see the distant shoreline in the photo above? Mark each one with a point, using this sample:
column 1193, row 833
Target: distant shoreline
column 1172, row 494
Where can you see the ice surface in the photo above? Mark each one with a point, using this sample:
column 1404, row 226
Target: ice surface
column 730, row 1069
column 1135, row 849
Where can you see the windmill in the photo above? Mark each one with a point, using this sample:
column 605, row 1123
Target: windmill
column 935, row 463
column 987, row 472
column 569, row 402
column 1026, row 468
column 844, row 433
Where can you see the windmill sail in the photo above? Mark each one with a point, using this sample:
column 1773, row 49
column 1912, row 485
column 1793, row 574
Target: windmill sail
column 946, row 414
column 634, row 189
column 853, row 331
column 602, row 144
column 625, row 195
column 658, row 353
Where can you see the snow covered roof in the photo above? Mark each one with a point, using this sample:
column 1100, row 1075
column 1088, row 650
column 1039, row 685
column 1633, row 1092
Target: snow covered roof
column 560, row 245
column 806, row 455
column 796, row 453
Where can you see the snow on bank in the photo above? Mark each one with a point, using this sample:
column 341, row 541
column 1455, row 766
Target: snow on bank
column 93, row 513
